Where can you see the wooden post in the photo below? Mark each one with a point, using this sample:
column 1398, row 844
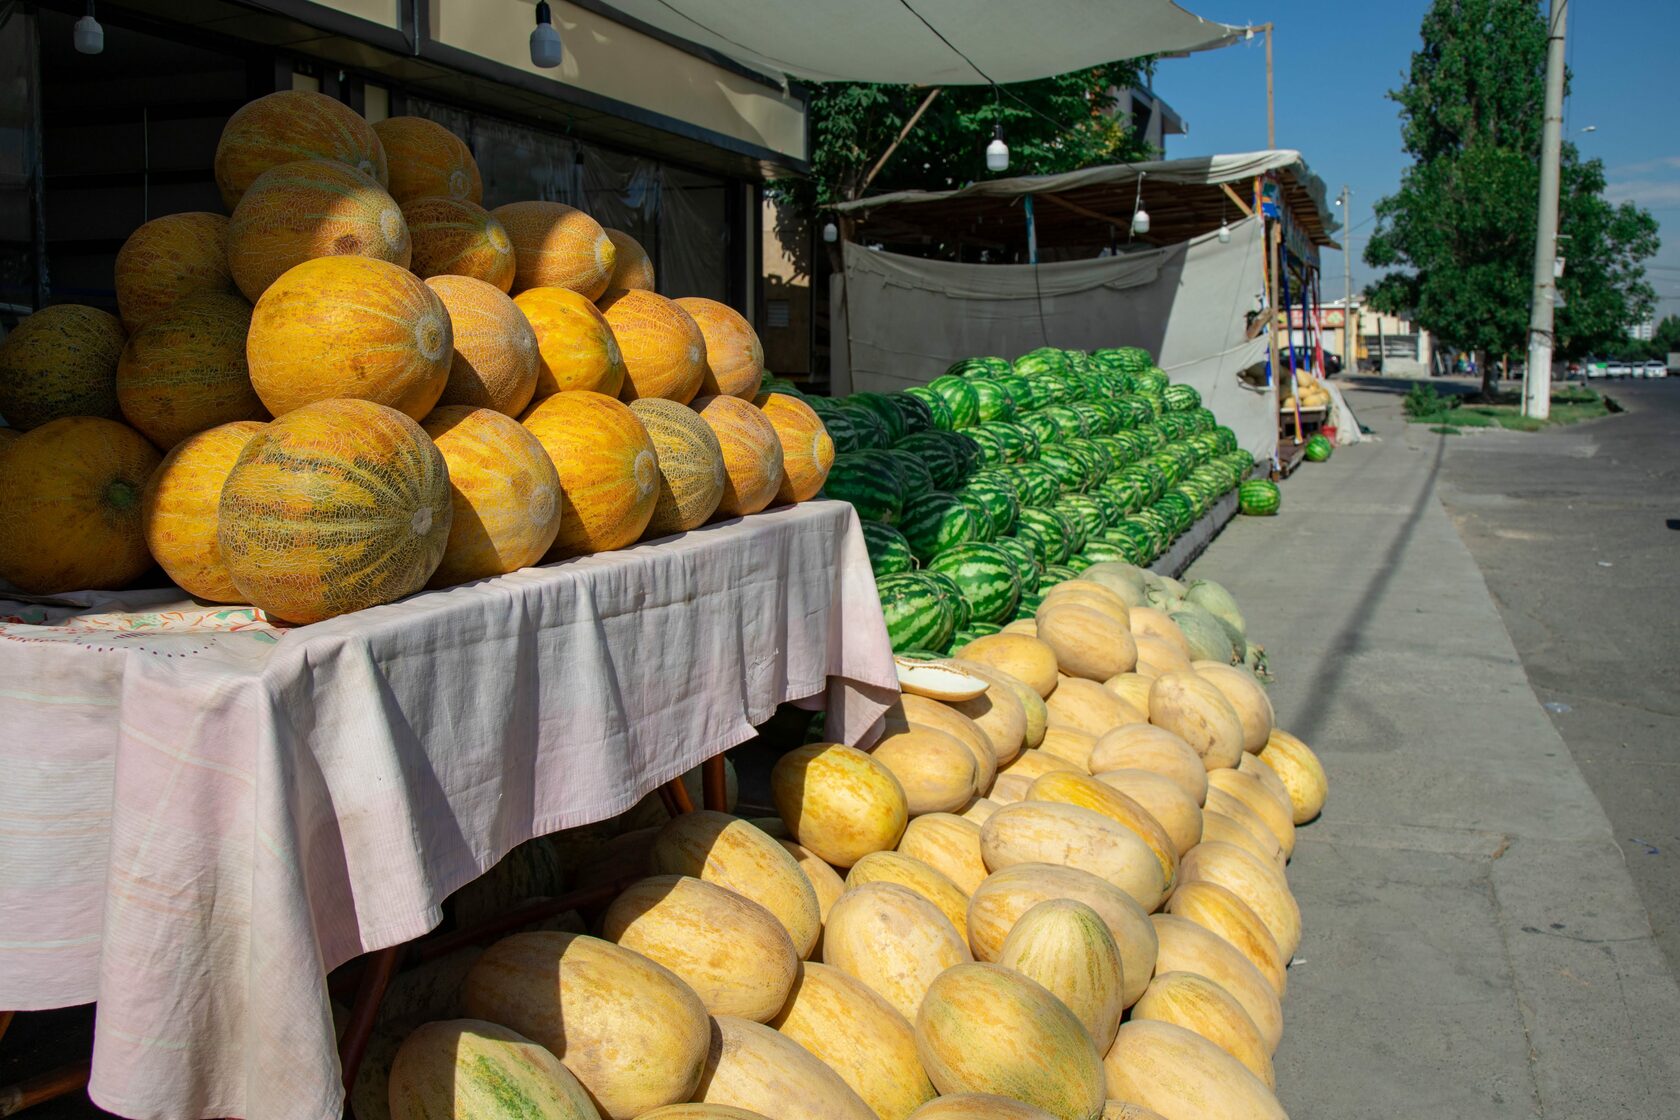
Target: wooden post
column 48, row 1086
column 1271, row 108
column 679, row 794
column 714, row 781
column 899, row 139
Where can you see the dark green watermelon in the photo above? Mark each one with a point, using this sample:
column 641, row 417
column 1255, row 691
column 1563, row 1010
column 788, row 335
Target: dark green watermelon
column 938, row 453
column 917, row 416
column 938, row 410
column 882, row 408
column 1259, row 497
column 889, row 552
column 1318, row 450
column 918, row 612
column 997, row 496
column 870, row 484
column 987, row 576
column 964, row 403
column 993, row 401
column 935, row 522
column 1048, row 529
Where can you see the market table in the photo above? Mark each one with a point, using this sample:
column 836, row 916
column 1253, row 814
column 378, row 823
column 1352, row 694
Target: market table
column 202, row 813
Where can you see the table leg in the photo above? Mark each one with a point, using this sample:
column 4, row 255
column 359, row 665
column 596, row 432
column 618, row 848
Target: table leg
column 365, row 1011
column 715, row 780
column 5, row 1021
column 679, row 794
column 48, row 1086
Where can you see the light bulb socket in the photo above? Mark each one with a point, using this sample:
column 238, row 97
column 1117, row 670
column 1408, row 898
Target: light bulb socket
column 546, row 50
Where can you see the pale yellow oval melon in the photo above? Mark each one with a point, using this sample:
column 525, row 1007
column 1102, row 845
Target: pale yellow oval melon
column 1087, row 642
column 1033, row 764
column 61, row 361
column 1164, row 800
column 1070, row 743
column 752, row 1067
column 1133, row 688
column 734, row 358
column 935, row 770
column 859, row 1035
column 185, row 370
column 986, row 1029
column 914, row 875
column 1301, row 772
column 691, row 472
column 587, row 1001
column 557, row 246
column 1037, row 717
column 1267, row 777
column 807, row 448
column 945, row 716
column 609, row 470
column 733, row 952
column 454, row 237
column 1026, row 659
column 1184, row 946
column 999, row 715
column 1183, row 1076
column 1151, row 623
column 1065, row 946
column 1247, row 697
column 1125, row 580
column 950, row 845
column 999, row 902
column 664, row 352
column 1157, row 657
column 1022, row 626
column 576, row 348
column 752, row 453
column 468, row 1067
column 1125, row 1110
column 1198, row 713
column 632, row 267
column 504, row 492
column 1143, row 746
column 288, row 125
column 178, row 509
column 737, row 856
column 1245, row 875
column 692, row 1110
column 494, row 362
column 976, row 811
column 1084, row 705
column 1200, row 1005
column 893, row 940
column 1009, row 788
column 168, row 259
column 426, row 160
column 839, row 802
column 1221, row 824
column 978, row 1106
column 1087, row 792
column 1091, row 594
column 1219, row 911
column 824, row 880
column 1268, row 806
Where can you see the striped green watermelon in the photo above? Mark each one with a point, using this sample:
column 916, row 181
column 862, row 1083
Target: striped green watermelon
column 959, row 394
column 1036, row 483
column 917, row 416
column 962, row 609
column 1019, row 390
column 986, row 575
column 1030, row 604
column 1050, row 533
column 984, row 530
column 938, row 410
column 1069, row 423
column 1097, row 420
column 1319, row 449
column 1037, row 363
column 1259, row 497
column 880, row 406
column 914, row 477
column 1027, row 564
column 1085, row 510
column 1100, row 552
column 978, row 367
column 869, row 484
column 992, row 401
column 938, row 453
column 975, row 631
column 1070, row 472
column 997, row 496
column 935, row 522
column 841, row 430
column 1042, row 427
column 993, row 451
column 889, row 552
column 1182, row 398
column 918, row 612
column 1058, row 573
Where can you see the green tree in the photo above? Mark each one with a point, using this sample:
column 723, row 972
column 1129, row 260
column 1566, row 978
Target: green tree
column 1459, row 233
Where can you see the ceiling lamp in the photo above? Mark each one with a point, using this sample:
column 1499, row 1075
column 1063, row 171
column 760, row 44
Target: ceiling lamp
column 545, row 40
column 88, row 36
column 997, row 152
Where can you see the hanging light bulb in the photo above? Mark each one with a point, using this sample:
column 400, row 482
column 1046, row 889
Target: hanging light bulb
column 831, row 232
column 88, row 36
column 997, row 152
column 545, row 40
column 1224, row 233
column 1140, row 221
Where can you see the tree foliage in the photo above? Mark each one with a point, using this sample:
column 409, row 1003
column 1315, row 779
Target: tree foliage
column 1459, row 232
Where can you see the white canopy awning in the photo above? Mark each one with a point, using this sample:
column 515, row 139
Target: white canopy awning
column 922, row 42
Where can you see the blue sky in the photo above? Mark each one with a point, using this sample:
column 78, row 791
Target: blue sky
column 1334, row 62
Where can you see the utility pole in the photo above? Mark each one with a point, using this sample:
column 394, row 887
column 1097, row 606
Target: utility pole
column 1271, row 110
column 1348, row 361
column 1537, row 377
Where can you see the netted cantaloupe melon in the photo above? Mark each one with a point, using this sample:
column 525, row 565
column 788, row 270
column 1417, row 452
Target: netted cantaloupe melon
column 503, row 490
column 299, row 211
column 838, row 801
column 335, row 506
column 691, row 475
column 764, row 1072
column 752, row 453
column 609, row 471
column 185, row 370
column 1183, row 1076
column 807, row 448
column 468, row 1067
column 454, row 237
column 915, row 876
column 426, row 160
column 350, row 327
column 557, row 246
column 495, row 359
column 576, row 347
column 893, row 940
column 169, row 259
column 632, row 267
column 70, row 501
column 178, row 509
column 664, row 352
column 1065, row 946
column 741, row 857
column 60, row 361
column 734, row 357
column 291, row 125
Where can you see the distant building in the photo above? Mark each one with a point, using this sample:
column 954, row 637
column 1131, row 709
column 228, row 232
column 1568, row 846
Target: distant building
column 1643, row 332
column 1150, row 116
column 1383, row 343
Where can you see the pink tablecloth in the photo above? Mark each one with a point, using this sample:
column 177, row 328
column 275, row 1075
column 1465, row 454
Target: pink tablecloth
column 201, row 814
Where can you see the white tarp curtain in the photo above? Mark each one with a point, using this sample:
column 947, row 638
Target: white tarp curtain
column 900, row 321
column 900, row 41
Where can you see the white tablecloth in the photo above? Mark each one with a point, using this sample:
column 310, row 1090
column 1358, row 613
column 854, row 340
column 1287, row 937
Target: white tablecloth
column 200, row 814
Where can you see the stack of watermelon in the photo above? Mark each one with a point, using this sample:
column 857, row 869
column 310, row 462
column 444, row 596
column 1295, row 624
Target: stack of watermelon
column 984, row 488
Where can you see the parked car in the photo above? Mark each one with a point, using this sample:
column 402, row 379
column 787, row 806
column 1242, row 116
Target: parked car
column 1655, row 368
column 1596, row 370
column 1618, row 369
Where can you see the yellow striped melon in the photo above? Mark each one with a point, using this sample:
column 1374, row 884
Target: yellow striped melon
column 576, row 348
column 185, row 370
column 1198, row 713
column 950, row 845
column 609, row 471
column 557, row 246
column 297, row 212
column 632, row 267
column 1219, row 911
column 350, row 327
column 910, row 711
column 935, row 770
column 169, row 259
column 1069, row 744
column 693, row 1110
column 426, row 160
column 1025, row 658
column 1084, row 705
column 178, row 509
column 807, row 448
column 740, row 857
column 1034, row 764
column 733, row 952
column 1034, row 832
column 893, row 940
column 1225, row 820
column 1125, row 1110
column 590, row 1003
column 838, row 801
column 1008, row 789
column 1301, row 772
column 1183, row 1076
column 291, row 125
column 1274, row 810
column 1100, row 797
column 1248, row 877
column 1163, row 799
column 1011, row 715
column 1157, row 657
column 1251, row 766
column 914, row 875
column 1151, row 623
column 734, row 358
column 1133, row 688
column 977, row 811
column 1247, row 698
column 979, row 1106
column 664, row 351
column 1087, row 642
column 1143, row 746
column 752, row 453
column 691, row 474
column 859, row 1035
column 824, row 880
column 1200, row 1005
column 467, row 1067
column 334, row 507
column 494, row 359
column 454, row 237
column 70, row 506
column 750, row 1066
column 1087, row 593
column 60, row 361
column 503, row 491
column 986, row 1029
column 1184, row 946
column 1033, row 710
column 1065, row 946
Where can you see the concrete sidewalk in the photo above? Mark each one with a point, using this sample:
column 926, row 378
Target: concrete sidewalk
column 1474, row 946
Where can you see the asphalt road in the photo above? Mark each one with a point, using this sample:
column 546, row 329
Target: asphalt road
column 1577, row 533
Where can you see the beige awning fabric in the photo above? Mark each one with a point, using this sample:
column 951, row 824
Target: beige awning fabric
column 923, row 42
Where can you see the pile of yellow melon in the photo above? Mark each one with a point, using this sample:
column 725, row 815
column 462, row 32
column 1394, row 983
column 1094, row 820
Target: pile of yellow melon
column 1312, row 393
column 1062, row 897
column 363, row 383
